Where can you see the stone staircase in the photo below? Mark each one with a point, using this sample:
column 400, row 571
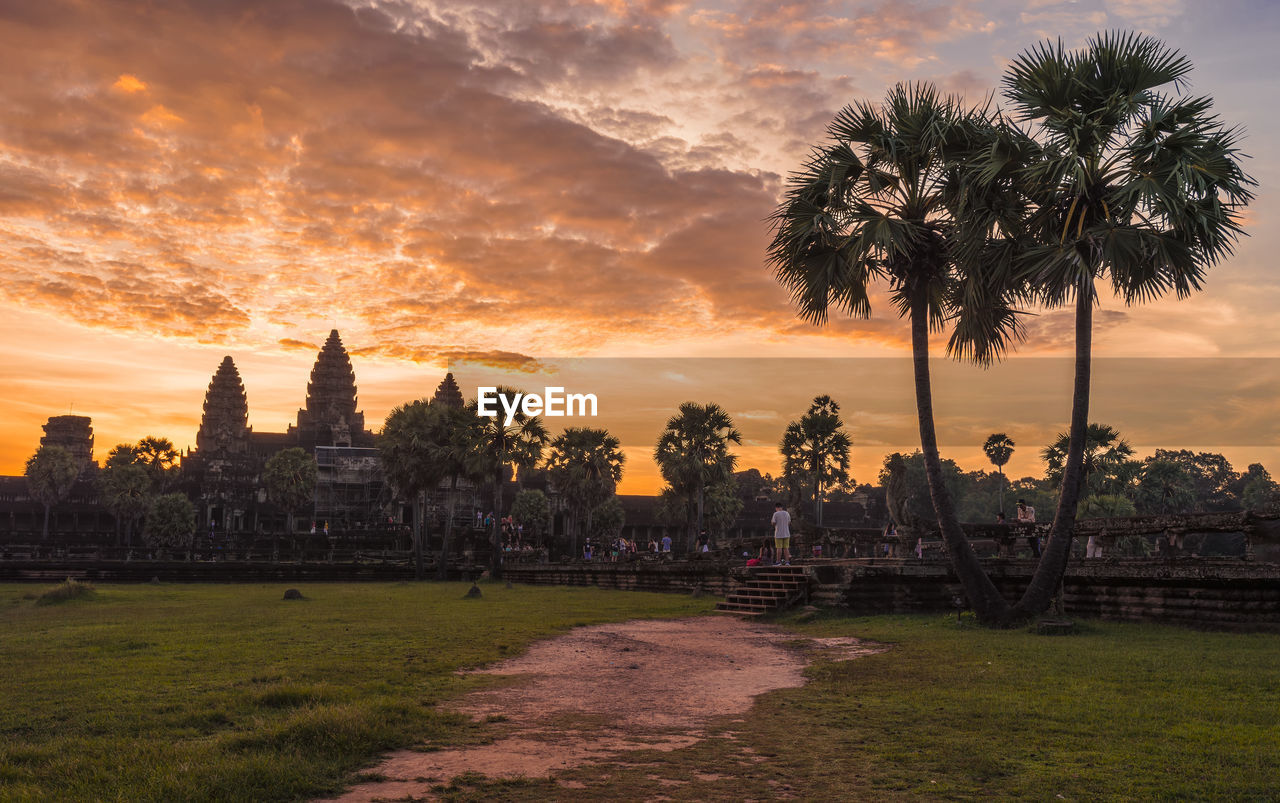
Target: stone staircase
column 767, row 589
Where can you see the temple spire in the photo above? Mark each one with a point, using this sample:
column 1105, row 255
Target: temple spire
column 330, row 417
column 448, row 393
column 225, row 422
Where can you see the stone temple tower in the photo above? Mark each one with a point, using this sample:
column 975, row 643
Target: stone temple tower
column 224, row 427
column 330, row 417
column 73, row 433
column 448, row 393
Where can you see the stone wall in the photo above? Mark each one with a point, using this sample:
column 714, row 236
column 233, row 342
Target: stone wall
column 712, row 577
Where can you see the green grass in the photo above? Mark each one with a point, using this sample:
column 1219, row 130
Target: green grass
column 228, row 692
column 232, row 693
column 1117, row 712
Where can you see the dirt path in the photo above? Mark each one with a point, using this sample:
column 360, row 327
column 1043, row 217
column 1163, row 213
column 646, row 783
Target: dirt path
column 600, row 691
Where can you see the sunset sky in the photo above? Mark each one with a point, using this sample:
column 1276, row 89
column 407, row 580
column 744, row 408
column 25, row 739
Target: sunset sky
column 500, row 181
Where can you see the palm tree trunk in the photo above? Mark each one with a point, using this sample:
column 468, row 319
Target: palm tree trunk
column 697, row 530
column 987, row 603
column 44, row 534
column 419, row 529
column 1053, row 564
column 495, row 539
column 443, row 568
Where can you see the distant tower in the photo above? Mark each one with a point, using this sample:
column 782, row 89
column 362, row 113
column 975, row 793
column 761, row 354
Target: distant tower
column 224, row 427
column 330, row 417
column 73, row 433
column 448, row 393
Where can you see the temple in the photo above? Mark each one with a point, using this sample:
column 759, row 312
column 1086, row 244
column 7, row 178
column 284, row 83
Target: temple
column 222, row 474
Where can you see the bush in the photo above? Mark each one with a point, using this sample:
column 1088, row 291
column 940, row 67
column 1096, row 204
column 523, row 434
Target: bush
column 69, row 589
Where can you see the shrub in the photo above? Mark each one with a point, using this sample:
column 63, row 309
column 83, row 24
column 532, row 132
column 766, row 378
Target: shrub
column 69, row 589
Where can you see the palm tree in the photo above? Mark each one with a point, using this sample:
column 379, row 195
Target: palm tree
column 408, row 447
column 159, row 457
column 1104, row 463
column 51, row 472
column 693, row 453
column 290, row 479
column 585, row 466
column 817, row 448
column 1128, row 184
column 999, row 448
column 879, row 202
column 503, row 447
column 455, row 445
column 126, row 490
column 171, row 522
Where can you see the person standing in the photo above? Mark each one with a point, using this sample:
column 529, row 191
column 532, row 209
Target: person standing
column 1027, row 515
column 666, row 546
column 782, row 533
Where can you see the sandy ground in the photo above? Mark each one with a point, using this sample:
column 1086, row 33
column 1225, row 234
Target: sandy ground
column 600, row 691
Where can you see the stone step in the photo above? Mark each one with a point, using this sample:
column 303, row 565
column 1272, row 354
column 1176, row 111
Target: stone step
column 729, row 612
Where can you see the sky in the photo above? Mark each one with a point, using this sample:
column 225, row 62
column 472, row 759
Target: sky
column 504, row 184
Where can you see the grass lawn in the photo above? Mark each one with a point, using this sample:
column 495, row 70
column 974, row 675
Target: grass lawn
column 228, row 692
column 955, row 712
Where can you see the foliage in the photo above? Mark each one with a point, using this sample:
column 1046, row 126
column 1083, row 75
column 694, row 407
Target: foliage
column 1258, row 490
column 67, row 590
column 160, row 458
column 171, row 522
column 1165, row 487
column 126, row 490
column 1106, row 460
column 1106, row 506
column 51, row 473
column 1214, row 484
column 753, row 485
column 531, row 509
column 607, row 520
column 585, row 466
column 693, row 456
column 500, row 448
column 815, row 452
column 290, row 479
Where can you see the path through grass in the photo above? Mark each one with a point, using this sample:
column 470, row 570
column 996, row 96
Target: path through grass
column 231, row 693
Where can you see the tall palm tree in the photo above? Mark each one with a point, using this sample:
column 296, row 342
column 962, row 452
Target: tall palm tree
column 455, row 445
column 51, row 473
column 504, row 447
column 879, row 201
column 585, row 465
column 999, row 448
column 693, row 453
column 1127, row 184
column 408, row 447
column 817, row 448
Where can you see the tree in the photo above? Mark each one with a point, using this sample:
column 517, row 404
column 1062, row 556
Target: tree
column 290, row 479
column 455, row 443
column 1165, row 487
column 607, row 520
column 1214, row 481
column 160, row 458
column 815, row 451
column 171, row 522
column 585, row 466
column 51, row 472
column 999, row 448
column 126, row 490
column 1125, row 183
column 531, row 509
column 409, row 449
column 693, row 453
column 1105, row 461
column 880, row 201
column 1258, row 490
column 1106, row 506
column 503, row 447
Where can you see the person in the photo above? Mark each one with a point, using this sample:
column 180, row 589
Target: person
column 920, row 548
column 653, row 545
column 782, row 533
column 766, row 552
column 704, row 542
column 666, row 545
column 1092, row 548
column 1027, row 515
column 1000, row 518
